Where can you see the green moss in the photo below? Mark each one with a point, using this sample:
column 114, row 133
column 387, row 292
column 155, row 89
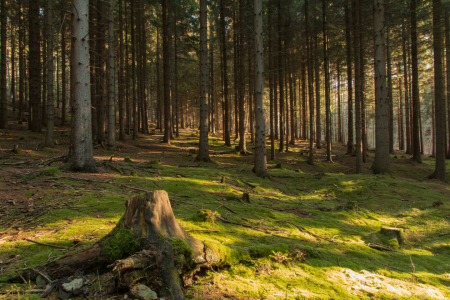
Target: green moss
column 263, row 250
column 226, row 255
column 122, row 243
column 128, row 160
column 180, row 247
column 49, row 171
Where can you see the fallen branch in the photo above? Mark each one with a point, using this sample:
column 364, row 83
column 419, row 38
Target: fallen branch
column 50, row 245
column 51, row 160
column 229, row 209
column 207, row 230
column 381, row 247
column 114, row 168
column 21, row 291
column 302, row 229
column 16, row 163
column 40, row 273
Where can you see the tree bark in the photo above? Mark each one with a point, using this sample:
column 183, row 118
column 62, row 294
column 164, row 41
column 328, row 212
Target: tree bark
column 357, row 54
column 166, row 58
column 381, row 163
column 242, row 142
column 63, row 72
column 111, row 143
column 226, row 130
column 22, row 75
column 49, row 138
column 415, row 85
column 310, row 87
column 81, row 152
column 121, row 89
column 271, row 84
column 350, row 143
column 405, row 79
column 447, row 47
column 4, row 99
column 281, row 77
column 260, row 132
column 34, row 65
column 439, row 172
column 327, row 79
column 203, row 153
column 389, row 91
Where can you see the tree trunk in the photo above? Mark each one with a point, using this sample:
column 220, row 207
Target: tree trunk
column 81, row 152
column 236, row 73
column 121, row 89
column 212, row 123
column 340, row 135
column 13, row 69
column 34, row 66
column 242, row 143
column 111, row 143
column 260, row 132
column 63, row 72
column 226, row 129
column 22, row 75
column 100, row 72
column 4, row 99
column 94, row 64
column 271, row 84
column 415, row 85
column 49, row 138
column 382, row 158
column 303, row 79
column 317, row 86
column 166, row 69
column 357, row 54
column 203, row 152
column 405, row 79
column 447, row 47
column 310, row 87
column 281, row 77
column 389, row 91
column 327, row 80
column 350, row 143
column 439, row 172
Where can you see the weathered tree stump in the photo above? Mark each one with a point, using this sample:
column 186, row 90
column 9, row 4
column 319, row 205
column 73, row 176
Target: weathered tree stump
column 147, row 247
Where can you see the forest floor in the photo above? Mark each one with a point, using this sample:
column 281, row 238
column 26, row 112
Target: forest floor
column 307, row 229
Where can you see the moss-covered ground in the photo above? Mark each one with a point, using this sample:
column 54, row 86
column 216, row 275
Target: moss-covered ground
column 306, row 230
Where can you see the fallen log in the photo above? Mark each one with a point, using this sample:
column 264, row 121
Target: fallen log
column 147, row 247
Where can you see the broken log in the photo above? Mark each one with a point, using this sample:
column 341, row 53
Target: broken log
column 147, row 247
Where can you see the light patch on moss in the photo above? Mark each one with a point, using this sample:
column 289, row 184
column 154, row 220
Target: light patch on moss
column 122, row 243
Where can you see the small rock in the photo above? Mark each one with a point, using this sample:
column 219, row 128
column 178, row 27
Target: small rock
column 63, row 295
column 143, row 292
column 73, row 285
column 41, row 281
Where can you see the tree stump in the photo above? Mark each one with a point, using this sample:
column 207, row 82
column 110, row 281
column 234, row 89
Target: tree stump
column 246, row 197
column 147, row 247
column 393, row 233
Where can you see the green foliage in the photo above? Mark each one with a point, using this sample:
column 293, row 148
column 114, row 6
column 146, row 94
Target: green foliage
column 128, row 160
column 122, row 243
column 181, row 247
column 207, row 215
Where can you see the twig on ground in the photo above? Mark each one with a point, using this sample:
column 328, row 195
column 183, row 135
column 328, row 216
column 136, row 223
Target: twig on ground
column 40, row 273
column 24, row 281
column 51, row 160
column 339, row 262
column 50, row 245
column 310, row 233
column 114, row 168
column 381, row 247
column 208, row 230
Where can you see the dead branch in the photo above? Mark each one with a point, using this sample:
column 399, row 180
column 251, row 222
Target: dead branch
column 50, row 245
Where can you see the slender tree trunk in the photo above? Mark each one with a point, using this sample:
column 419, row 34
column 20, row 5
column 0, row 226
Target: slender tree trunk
column 401, row 136
column 310, row 87
column 121, row 77
column 317, row 86
column 81, row 152
column 242, row 143
column 212, row 123
column 281, row 77
column 350, row 143
column 291, row 96
column 235, row 75
column 94, row 64
column 389, row 91
column 22, row 75
column 13, row 69
column 159, row 105
column 447, row 46
column 439, row 172
column 260, row 142
column 405, row 79
column 111, row 143
column 203, row 153
column 34, row 66
column 49, row 138
column 327, row 80
column 382, row 158
column 338, row 67
column 63, row 73
column 100, row 73
column 271, row 84
column 365, row 145
column 134, row 73
column 303, row 79
column 357, row 54
column 415, row 85
column 226, row 130
column 166, row 58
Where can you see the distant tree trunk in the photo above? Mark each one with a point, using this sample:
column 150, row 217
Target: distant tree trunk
column 291, row 94
column 382, row 158
column 317, row 86
column 121, row 89
column 134, row 73
column 251, row 82
column 63, row 73
column 405, row 79
column 111, row 143
column 401, row 137
column 327, row 80
column 166, row 58
column 439, row 172
column 303, row 80
column 447, row 47
column 44, row 71
column 226, row 130
column 389, row 91
column 280, row 77
column 365, row 145
column 235, row 74
column 81, row 152
column 49, row 138
column 271, row 84
column 159, row 105
column 350, row 143
column 100, row 73
column 260, row 142
column 203, row 153
column 211, row 72
column 13, row 69
column 338, row 67
column 34, row 65
column 357, row 55
column 242, row 143
column 22, row 75
column 310, row 87
column 415, row 85
column 94, row 64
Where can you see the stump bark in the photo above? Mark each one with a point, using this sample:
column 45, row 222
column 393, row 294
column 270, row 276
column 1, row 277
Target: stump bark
column 167, row 254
